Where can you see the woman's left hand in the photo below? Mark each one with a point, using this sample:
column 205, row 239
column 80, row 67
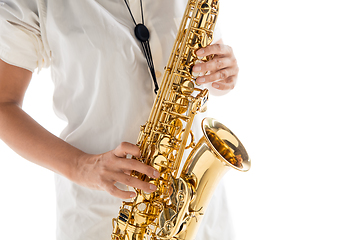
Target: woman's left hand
column 222, row 69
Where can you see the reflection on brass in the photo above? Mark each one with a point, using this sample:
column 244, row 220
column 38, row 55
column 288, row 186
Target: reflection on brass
column 175, row 210
column 224, row 149
column 187, row 87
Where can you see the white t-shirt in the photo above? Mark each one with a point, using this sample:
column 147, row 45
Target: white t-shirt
column 103, row 90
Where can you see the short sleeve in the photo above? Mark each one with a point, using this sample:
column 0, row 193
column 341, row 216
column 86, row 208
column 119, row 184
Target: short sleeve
column 21, row 40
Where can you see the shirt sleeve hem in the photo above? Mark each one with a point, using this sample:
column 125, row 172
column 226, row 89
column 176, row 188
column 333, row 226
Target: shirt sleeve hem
column 16, row 60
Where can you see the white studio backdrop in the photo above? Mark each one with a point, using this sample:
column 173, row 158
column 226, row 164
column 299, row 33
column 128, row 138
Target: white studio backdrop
column 295, row 108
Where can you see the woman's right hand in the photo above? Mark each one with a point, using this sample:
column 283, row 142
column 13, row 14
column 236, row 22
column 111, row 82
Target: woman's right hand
column 102, row 171
column 29, row 139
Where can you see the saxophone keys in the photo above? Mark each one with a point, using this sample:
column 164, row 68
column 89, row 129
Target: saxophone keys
column 160, row 163
column 205, row 41
column 174, row 129
column 167, row 216
column 181, row 105
column 187, row 87
column 145, row 213
column 164, row 146
column 204, row 96
column 205, row 8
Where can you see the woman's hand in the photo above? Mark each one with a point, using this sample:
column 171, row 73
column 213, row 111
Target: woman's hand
column 222, row 69
column 35, row 143
column 102, row 171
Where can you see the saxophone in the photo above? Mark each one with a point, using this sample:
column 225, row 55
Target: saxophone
column 175, row 209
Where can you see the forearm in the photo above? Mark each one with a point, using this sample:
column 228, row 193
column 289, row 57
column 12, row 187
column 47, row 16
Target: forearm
column 33, row 142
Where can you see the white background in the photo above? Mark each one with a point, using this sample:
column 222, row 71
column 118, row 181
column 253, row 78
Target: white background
column 295, row 108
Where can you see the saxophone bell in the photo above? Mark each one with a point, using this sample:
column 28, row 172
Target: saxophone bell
column 175, row 210
column 218, row 151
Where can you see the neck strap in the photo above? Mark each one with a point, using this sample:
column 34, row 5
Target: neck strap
column 143, row 35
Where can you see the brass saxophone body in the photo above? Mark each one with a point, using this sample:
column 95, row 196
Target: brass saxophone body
column 175, row 209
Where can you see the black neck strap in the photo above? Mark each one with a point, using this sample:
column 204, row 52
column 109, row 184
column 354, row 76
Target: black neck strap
column 143, row 35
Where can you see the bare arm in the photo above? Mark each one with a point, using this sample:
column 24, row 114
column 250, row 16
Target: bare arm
column 20, row 132
column 33, row 142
